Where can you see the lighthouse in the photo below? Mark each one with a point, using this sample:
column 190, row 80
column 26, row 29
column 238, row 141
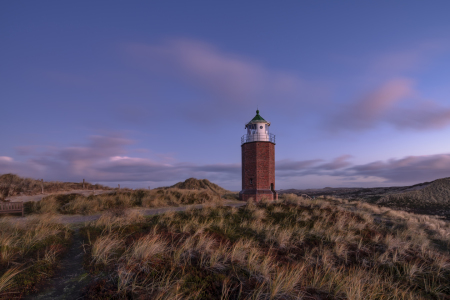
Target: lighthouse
column 258, row 161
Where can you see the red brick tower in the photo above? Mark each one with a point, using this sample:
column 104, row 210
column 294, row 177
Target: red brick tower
column 258, row 161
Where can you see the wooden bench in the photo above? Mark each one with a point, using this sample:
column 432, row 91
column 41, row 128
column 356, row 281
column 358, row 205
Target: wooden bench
column 11, row 208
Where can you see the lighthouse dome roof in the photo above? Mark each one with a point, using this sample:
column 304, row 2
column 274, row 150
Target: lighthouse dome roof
column 258, row 119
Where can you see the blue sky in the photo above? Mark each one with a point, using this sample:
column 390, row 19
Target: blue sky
column 147, row 94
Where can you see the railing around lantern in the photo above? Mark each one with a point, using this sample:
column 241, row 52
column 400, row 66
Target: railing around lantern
column 247, row 138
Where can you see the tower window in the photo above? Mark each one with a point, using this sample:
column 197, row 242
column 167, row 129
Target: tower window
column 251, row 180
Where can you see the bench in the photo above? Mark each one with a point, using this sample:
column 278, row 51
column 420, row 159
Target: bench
column 11, row 208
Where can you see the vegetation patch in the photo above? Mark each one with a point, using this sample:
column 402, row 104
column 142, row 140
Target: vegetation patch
column 13, row 185
column 122, row 199
column 199, row 184
column 29, row 253
column 292, row 249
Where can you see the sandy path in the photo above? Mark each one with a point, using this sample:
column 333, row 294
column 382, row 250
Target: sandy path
column 70, row 278
column 39, row 197
column 80, row 219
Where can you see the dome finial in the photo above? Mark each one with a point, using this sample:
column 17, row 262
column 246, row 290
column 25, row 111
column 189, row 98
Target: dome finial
column 257, row 111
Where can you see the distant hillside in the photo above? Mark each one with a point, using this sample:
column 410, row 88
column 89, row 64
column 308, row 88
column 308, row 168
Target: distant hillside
column 426, row 195
column 431, row 198
column 200, row 184
column 13, row 185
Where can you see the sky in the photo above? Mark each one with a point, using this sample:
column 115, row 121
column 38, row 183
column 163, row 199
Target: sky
column 149, row 93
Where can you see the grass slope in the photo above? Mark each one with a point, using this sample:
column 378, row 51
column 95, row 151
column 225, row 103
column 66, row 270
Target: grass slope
column 295, row 249
column 434, row 194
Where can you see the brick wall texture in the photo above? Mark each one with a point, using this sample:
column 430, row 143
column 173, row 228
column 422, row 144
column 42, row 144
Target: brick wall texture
column 258, row 171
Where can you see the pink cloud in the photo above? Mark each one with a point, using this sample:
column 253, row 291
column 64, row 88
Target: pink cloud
column 396, row 103
column 338, row 163
column 411, row 169
column 384, row 98
column 424, row 116
column 226, row 75
column 368, row 110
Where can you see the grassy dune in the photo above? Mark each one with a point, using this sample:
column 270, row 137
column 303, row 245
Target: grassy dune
column 294, row 249
column 434, row 194
column 13, row 185
column 123, row 199
column 200, row 184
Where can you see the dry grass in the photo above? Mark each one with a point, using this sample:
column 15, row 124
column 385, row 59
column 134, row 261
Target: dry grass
column 436, row 193
column 29, row 252
column 79, row 204
column 293, row 249
column 199, row 184
column 13, row 185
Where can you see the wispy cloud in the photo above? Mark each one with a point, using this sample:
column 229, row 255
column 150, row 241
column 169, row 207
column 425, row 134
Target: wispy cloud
column 423, row 116
column 228, row 77
column 410, row 169
column 373, row 107
column 338, row 163
column 292, row 165
column 291, row 168
column 396, row 103
column 407, row 170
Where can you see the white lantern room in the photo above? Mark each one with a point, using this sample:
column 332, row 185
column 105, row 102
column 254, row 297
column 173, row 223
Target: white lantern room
column 258, row 130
